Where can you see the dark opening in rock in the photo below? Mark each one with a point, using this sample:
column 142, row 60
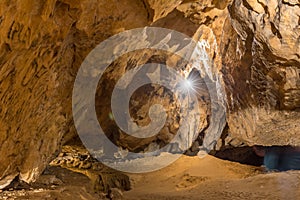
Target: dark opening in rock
column 244, row 155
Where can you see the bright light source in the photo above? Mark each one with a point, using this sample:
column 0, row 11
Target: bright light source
column 187, row 84
column 191, row 84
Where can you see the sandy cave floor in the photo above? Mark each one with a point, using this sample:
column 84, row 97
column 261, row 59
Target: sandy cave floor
column 188, row 178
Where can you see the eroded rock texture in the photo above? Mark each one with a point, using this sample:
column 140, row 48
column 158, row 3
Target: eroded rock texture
column 255, row 44
column 261, row 66
column 42, row 45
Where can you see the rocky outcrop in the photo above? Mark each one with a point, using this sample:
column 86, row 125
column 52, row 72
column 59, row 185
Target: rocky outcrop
column 261, row 66
column 42, row 44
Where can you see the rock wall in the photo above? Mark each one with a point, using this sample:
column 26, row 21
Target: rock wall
column 42, row 44
column 261, row 68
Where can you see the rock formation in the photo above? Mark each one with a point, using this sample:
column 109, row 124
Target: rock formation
column 261, row 66
column 42, row 45
column 254, row 46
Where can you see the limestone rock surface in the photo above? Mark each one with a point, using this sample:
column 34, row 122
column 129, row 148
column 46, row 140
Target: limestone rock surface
column 42, row 44
column 252, row 45
column 261, row 66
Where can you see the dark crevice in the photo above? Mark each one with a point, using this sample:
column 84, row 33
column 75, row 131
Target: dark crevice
column 1, row 19
column 10, row 30
column 275, row 31
column 149, row 10
column 207, row 9
column 248, row 6
column 209, row 20
column 240, row 152
column 273, row 158
column 243, row 155
column 17, row 184
column 290, row 4
column 265, row 8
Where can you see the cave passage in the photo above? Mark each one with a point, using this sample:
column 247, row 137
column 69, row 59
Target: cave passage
column 282, row 158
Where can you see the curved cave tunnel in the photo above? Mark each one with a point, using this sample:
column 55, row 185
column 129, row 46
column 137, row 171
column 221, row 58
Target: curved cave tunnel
column 251, row 47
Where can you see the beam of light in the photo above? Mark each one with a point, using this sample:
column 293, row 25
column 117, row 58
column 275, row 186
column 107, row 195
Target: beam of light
column 191, row 84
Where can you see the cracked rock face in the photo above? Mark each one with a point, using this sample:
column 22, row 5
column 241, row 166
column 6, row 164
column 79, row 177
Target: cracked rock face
column 254, row 45
column 42, row 44
column 261, row 71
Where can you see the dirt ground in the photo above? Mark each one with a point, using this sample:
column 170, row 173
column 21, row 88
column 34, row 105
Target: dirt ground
column 213, row 179
column 189, row 178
